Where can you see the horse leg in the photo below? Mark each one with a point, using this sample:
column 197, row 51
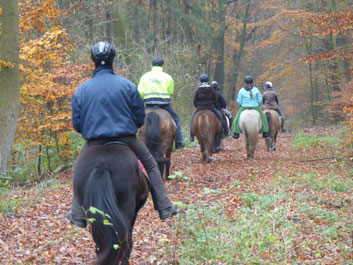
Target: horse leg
column 202, row 149
column 167, row 164
column 247, row 145
column 128, row 247
column 275, row 140
column 161, row 167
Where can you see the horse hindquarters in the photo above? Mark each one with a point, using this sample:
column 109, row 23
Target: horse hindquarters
column 250, row 125
column 107, row 227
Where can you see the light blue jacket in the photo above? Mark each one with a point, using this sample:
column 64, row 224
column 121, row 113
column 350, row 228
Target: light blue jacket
column 244, row 99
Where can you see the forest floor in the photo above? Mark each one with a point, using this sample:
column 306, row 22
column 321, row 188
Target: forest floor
column 33, row 229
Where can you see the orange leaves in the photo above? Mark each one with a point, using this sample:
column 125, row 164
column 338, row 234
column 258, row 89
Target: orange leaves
column 327, row 23
column 37, row 16
column 344, row 53
column 48, row 77
column 6, row 64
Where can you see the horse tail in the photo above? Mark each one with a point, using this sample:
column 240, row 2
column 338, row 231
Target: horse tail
column 153, row 138
column 108, row 226
column 269, row 122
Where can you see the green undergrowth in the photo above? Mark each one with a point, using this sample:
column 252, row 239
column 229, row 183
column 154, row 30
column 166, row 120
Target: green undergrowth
column 295, row 217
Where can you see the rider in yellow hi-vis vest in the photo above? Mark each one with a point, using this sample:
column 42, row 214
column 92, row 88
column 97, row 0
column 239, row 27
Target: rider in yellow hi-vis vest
column 155, row 88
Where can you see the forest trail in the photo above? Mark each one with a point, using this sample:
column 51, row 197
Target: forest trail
column 37, row 232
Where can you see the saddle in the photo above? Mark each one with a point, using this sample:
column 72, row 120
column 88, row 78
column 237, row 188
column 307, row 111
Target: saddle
column 152, row 106
column 112, row 141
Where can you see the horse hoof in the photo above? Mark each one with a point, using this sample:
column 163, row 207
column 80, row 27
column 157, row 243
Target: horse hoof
column 210, row 159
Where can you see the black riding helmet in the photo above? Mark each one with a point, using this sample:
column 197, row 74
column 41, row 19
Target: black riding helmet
column 248, row 80
column 157, row 61
column 204, row 78
column 215, row 85
column 103, row 53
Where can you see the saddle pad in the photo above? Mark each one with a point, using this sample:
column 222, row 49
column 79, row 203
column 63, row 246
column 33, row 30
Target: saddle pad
column 142, row 168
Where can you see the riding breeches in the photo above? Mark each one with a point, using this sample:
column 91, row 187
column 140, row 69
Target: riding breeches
column 236, row 127
column 159, row 194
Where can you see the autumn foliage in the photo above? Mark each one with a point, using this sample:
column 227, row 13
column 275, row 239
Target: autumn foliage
column 48, row 78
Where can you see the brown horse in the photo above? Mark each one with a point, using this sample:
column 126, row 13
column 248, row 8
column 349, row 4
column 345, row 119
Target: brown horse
column 159, row 133
column 206, row 127
column 112, row 189
column 274, row 125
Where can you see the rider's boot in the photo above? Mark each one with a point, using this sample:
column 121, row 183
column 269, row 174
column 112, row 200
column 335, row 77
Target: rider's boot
column 235, row 135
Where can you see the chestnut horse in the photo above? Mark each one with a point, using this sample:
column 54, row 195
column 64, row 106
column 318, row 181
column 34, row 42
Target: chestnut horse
column 112, row 189
column 250, row 125
column 159, row 133
column 206, row 127
column 274, row 125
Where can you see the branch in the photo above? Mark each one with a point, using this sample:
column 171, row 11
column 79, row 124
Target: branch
column 329, row 157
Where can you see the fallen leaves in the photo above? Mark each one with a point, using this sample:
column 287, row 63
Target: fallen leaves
column 38, row 233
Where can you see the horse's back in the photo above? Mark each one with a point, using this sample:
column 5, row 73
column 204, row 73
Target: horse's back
column 118, row 159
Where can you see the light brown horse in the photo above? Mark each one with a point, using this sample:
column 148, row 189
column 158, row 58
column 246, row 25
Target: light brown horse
column 274, row 125
column 159, row 133
column 206, row 127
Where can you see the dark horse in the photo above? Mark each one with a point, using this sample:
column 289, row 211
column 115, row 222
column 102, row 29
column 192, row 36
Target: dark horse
column 112, row 190
column 206, row 127
column 159, row 133
column 274, row 125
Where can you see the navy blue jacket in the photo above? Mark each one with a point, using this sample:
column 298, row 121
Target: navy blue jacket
column 107, row 106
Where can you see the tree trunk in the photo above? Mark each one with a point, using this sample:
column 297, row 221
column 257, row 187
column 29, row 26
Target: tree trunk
column 109, row 22
column 339, row 63
column 308, row 45
column 9, row 79
column 219, row 46
column 237, row 56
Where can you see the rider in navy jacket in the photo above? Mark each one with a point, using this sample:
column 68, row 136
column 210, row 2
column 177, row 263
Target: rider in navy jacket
column 109, row 109
column 110, row 119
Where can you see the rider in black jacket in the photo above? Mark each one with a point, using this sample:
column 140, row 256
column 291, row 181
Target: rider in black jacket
column 109, row 108
column 221, row 106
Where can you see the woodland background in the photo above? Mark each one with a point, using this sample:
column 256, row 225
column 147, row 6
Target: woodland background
column 303, row 47
column 292, row 206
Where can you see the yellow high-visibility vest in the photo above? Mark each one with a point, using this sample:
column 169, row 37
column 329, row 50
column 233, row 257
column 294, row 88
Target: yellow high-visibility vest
column 156, row 85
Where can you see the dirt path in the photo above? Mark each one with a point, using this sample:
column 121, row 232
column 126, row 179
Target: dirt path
column 37, row 233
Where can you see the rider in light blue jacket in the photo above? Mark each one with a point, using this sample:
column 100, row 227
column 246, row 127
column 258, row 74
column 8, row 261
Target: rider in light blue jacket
column 249, row 97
